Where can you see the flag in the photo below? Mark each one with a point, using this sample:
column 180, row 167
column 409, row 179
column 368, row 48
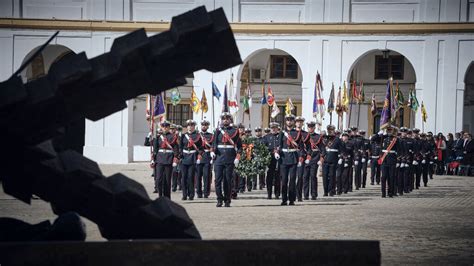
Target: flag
column 413, row 101
column 270, row 97
column 318, row 101
column 289, row 106
column 247, row 100
column 225, row 102
column 149, row 106
column 275, row 110
column 339, row 106
column 195, row 104
column 204, row 106
column 400, row 98
column 249, row 94
column 354, row 94
column 159, row 108
column 361, row 92
column 393, row 101
column 345, row 99
column 215, row 91
column 373, row 108
column 233, row 105
column 175, row 96
column 387, row 108
column 264, row 99
column 331, row 100
column 424, row 115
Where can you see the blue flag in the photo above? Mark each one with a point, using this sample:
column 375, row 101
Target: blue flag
column 215, row 91
column 159, row 109
column 225, row 103
column 387, row 108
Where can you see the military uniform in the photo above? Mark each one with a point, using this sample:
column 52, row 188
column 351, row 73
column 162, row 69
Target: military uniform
column 375, row 153
column 166, row 155
column 300, row 170
column 290, row 154
column 204, row 173
column 432, row 148
column 227, row 147
column 262, row 172
column 409, row 163
column 191, row 153
column 418, row 143
column 389, row 163
column 314, row 147
column 348, row 151
column 332, row 148
column 402, row 158
column 364, row 150
column 177, row 175
column 273, row 174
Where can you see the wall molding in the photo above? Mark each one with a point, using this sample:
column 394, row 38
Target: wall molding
column 244, row 28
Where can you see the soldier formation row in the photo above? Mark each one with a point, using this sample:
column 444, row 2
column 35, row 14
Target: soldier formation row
column 398, row 160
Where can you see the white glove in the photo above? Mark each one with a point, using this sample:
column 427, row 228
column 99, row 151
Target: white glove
column 356, row 163
column 306, row 161
column 404, row 165
column 415, row 162
column 436, row 157
column 319, row 163
column 397, row 165
column 340, row 161
column 431, row 162
column 369, row 161
column 423, row 162
column 211, row 162
column 363, row 160
column 174, row 164
column 346, row 165
column 213, row 155
column 198, row 161
column 277, row 156
column 300, row 164
column 236, row 162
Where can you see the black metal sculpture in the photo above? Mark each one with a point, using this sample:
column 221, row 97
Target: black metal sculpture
column 76, row 88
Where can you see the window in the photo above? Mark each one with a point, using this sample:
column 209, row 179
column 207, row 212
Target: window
column 283, row 67
column 391, row 66
column 179, row 113
column 280, row 118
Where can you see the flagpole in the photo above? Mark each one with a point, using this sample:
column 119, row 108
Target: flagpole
column 350, row 107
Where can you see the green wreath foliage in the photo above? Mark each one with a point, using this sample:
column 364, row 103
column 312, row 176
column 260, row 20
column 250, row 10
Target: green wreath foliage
column 260, row 159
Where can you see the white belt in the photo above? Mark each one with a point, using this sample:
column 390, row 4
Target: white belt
column 315, row 149
column 374, row 157
column 333, row 150
column 389, row 151
column 189, row 152
column 207, row 150
column 165, row 151
column 289, row 150
column 225, row 146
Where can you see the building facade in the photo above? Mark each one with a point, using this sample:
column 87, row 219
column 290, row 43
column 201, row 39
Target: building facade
column 426, row 45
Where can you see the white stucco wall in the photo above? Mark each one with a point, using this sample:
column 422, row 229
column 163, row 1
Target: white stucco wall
column 440, row 61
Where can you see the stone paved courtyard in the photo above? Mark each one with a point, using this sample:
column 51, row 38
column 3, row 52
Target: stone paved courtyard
column 431, row 226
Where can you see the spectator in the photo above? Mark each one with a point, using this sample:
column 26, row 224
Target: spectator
column 440, row 154
column 468, row 152
column 450, row 148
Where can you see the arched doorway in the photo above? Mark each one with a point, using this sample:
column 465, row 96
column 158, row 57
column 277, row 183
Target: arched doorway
column 270, row 68
column 373, row 69
column 74, row 133
column 468, row 111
